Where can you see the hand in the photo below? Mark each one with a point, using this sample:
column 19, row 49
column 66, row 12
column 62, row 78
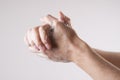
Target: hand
column 37, row 39
column 63, row 39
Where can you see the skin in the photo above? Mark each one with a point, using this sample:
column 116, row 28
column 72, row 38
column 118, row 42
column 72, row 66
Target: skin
column 113, row 57
column 59, row 42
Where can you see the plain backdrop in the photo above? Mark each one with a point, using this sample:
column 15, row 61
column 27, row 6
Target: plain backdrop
column 96, row 21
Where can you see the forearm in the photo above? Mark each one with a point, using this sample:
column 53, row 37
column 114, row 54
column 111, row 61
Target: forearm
column 113, row 57
column 95, row 65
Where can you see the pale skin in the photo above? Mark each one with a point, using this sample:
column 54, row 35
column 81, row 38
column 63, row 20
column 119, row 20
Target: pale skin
column 59, row 42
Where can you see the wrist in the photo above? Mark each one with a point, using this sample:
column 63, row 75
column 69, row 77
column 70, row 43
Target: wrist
column 80, row 50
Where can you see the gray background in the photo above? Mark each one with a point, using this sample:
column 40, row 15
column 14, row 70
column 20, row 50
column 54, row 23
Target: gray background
column 96, row 21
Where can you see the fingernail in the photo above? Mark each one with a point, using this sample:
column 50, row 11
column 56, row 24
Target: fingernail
column 48, row 46
column 42, row 48
column 36, row 47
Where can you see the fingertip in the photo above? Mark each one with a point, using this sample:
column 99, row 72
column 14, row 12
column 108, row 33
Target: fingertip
column 42, row 48
column 60, row 13
column 49, row 16
column 36, row 47
column 48, row 46
column 52, row 17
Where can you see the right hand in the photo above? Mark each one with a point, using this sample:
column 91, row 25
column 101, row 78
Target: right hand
column 59, row 45
column 64, row 40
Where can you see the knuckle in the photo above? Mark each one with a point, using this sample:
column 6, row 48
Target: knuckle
column 34, row 29
column 44, row 28
column 41, row 28
column 58, row 23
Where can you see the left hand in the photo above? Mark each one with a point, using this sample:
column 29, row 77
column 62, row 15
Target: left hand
column 37, row 38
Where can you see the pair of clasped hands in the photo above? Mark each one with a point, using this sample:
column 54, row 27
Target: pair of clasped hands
column 55, row 39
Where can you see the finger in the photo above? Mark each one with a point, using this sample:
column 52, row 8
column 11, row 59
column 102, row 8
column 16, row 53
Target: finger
column 35, row 36
column 34, row 49
column 44, row 34
column 38, row 52
column 42, row 55
column 26, row 40
column 64, row 19
column 31, row 43
column 49, row 19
